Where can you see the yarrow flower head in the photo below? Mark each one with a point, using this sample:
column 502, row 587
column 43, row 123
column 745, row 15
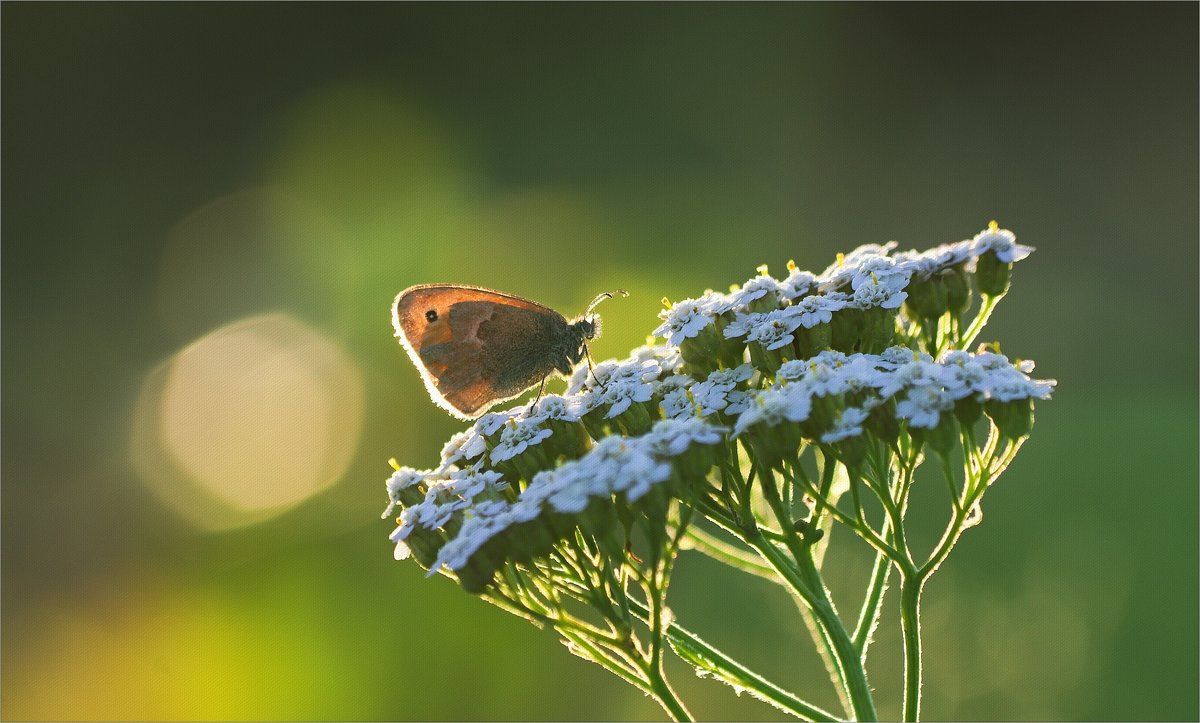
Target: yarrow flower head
column 762, row 293
column 1002, row 243
column 752, row 412
column 866, row 350
column 687, row 318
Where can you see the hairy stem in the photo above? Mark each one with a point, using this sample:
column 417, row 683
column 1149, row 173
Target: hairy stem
column 910, row 620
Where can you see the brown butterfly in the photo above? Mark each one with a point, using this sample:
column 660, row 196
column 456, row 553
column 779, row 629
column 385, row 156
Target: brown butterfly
column 475, row 347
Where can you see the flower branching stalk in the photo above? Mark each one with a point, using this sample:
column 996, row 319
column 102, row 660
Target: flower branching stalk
column 767, row 419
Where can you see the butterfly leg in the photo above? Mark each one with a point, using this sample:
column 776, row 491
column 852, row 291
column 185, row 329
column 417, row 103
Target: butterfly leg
column 592, row 369
column 536, row 399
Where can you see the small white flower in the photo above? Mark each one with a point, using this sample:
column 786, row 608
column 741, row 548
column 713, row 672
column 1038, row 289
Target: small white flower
column 774, row 330
column 742, row 324
column 843, row 269
column 484, row 523
column 849, row 424
column 824, row 380
column 861, row 371
column 991, row 360
column 733, row 375
column 737, row 402
column 610, row 371
column 798, row 283
column 717, row 392
column 1008, row 385
column 671, row 438
column 517, row 436
column 567, row 491
column 461, row 447
column 815, row 310
column 1001, row 242
column 677, row 404
column 923, row 406
column 962, row 376
column 919, row 373
column 881, row 271
column 792, row 403
column 490, row 423
column 402, row 479
column 639, row 473
column 684, row 320
column 874, row 295
column 553, row 406
column 754, row 289
column 952, row 254
column 620, row 395
column 468, row 484
column 667, row 357
column 897, row 356
column 791, row 370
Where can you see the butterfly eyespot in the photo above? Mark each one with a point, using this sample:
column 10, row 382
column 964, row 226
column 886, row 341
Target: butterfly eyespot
column 431, row 315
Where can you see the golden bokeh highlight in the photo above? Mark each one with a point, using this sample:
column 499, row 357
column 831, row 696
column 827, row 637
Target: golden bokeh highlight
column 248, row 421
column 155, row 651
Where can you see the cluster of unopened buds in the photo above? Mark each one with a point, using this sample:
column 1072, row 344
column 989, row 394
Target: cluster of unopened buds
column 756, row 422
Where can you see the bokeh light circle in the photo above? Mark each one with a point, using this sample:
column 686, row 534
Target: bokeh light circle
column 248, row 421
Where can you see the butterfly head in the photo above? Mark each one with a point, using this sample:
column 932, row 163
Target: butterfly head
column 588, row 325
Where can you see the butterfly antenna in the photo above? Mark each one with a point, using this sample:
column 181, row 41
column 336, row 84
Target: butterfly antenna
column 606, row 295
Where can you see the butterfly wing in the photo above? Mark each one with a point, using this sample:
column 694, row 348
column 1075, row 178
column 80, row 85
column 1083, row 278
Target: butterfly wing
column 475, row 347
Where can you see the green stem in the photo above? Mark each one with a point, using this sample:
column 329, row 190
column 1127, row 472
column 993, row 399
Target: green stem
column 868, row 619
column 858, row 690
column 587, row 649
column 910, row 620
column 707, row 544
column 694, row 650
column 665, row 696
column 986, row 307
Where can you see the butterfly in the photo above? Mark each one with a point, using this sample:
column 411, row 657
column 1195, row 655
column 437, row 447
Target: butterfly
column 476, row 347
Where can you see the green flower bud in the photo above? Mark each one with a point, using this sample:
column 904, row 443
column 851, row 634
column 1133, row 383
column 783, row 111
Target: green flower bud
column 958, row 291
column 879, row 330
column 810, row 342
column 476, row 575
column 882, row 422
column 1014, row 419
column 992, row 274
column 968, row 410
column 425, row 545
column 766, row 360
column 942, row 437
column 926, row 299
column 851, row 451
column 848, row 324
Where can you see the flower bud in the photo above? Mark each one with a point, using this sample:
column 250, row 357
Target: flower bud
column 882, row 422
column 968, row 410
column 848, row 326
column 942, row 437
column 879, row 330
column 992, row 274
column 1014, row 419
column 810, row 342
column 958, row 290
column 926, row 299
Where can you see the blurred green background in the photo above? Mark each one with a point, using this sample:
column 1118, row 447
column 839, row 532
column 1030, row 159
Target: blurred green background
column 208, row 208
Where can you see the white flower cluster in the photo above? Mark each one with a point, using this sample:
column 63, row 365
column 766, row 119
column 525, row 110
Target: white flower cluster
column 759, row 363
column 628, row 467
column 769, row 311
column 444, row 495
column 922, row 388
